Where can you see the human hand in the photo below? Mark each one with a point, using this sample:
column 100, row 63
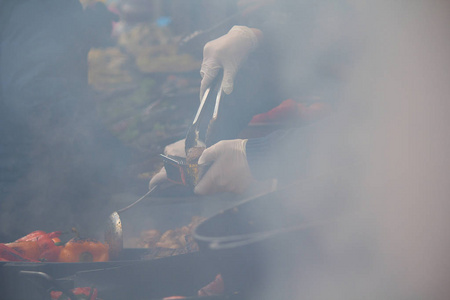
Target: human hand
column 175, row 149
column 229, row 171
column 227, row 53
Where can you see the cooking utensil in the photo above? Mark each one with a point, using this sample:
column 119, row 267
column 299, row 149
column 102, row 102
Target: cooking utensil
column 115, row 280
column 269, row 236
column 202, row 128
column 16, row 285
column 113, row 231
column 180, row 172
column 151, row 279
column 49, row 282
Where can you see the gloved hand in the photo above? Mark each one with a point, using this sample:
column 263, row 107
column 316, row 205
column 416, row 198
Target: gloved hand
column 175, row 149
column 227, row 53
column 229, row 171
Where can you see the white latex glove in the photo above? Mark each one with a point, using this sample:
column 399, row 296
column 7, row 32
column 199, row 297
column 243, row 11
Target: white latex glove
column 227, row 53
column 229, row 171
column 175, row 149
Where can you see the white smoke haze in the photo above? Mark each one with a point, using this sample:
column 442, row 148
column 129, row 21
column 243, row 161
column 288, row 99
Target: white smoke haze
column 398, row 247
column 393, row 239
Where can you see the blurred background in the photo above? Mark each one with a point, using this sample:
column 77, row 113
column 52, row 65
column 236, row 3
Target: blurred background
column 92, row 92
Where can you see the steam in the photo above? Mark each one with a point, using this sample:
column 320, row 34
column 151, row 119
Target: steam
column 57, row 163
column 394, row 123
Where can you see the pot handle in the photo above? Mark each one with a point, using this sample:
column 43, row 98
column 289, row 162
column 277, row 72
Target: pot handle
column 219, row 245
column 243, row 240
column 228, row 242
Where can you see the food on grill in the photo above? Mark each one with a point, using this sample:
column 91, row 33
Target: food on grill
column 26, row 249
column 149, row 238
column 33, row 236
column 192, row 157
column 214, row 288
column 84, row 250
column 194, row 154
column 171, row 242
column 81, row 293
column 35, row 246
column 47, row 247
column 9, row 254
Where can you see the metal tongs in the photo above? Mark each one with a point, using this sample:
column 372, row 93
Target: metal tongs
column 202, row 128
column 201, row 133
column 178, row 170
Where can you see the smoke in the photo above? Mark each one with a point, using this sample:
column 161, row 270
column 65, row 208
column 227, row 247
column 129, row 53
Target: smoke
column 393, row 122
column 387, row 63
column 403, row 76
column 58, row 164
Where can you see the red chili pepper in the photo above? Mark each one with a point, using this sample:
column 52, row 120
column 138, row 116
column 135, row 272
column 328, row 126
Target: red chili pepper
column 80, row 293
column 10, row 254
column 33, row 236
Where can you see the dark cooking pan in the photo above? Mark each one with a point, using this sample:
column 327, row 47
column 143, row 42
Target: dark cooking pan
column 15, row 285
column 264, row 240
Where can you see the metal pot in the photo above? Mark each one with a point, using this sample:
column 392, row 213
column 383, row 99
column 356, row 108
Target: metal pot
column 263, row 238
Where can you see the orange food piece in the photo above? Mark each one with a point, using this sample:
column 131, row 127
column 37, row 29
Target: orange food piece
column 32, row 236
column 49, row 251
column 84, row 250
column 28, row 249
column 9, row 254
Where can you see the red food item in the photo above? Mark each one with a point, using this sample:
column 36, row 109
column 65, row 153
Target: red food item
column 291, row 111
column 9, row 254
column 214, row 288
column 286, row 110
column 80, row 293
column 27, row 249
column 48, row 250
column 35, row 246
column 33, row 236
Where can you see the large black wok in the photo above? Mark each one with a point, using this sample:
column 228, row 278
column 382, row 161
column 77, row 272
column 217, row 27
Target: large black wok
column 262, row 242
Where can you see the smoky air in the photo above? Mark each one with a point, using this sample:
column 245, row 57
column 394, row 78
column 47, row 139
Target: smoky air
column 91, row 95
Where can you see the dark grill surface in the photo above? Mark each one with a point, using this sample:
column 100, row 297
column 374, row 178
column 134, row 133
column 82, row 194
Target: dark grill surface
column 181, row 275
